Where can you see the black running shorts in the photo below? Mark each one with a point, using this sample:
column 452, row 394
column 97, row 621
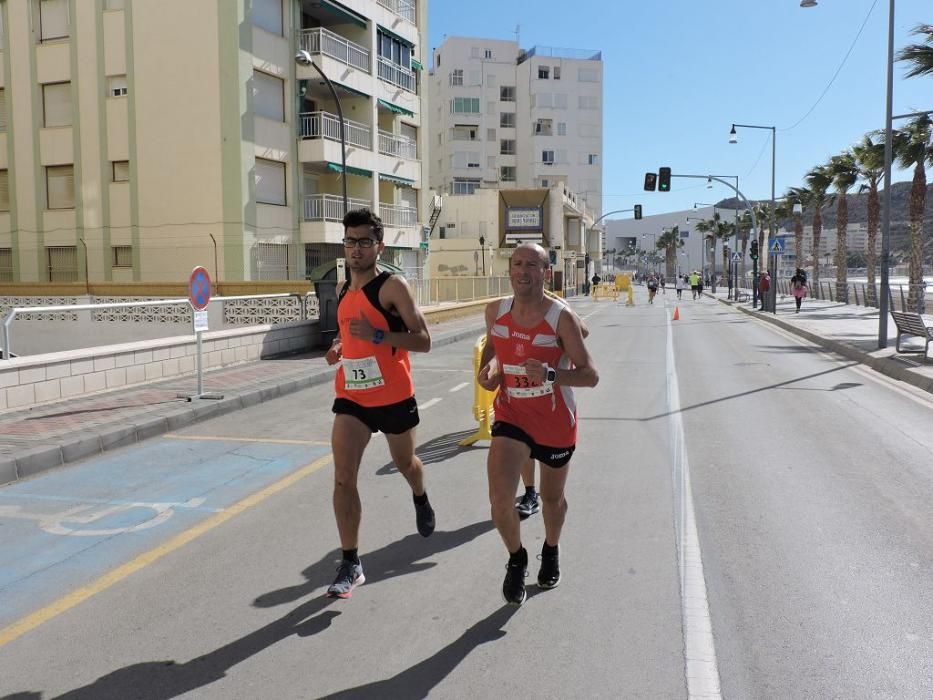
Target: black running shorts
column 393, row 419
column 555, row 457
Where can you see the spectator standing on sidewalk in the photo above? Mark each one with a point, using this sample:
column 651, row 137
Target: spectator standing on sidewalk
column 798, row 287
column 764, row 287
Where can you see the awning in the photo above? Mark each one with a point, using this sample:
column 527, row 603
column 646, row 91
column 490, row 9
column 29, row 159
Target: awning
column 395, row 108
column 335, row 167
column 404, row 182
column 416, row 65
column 342, row 13
column 352, row 91
column 395, row 36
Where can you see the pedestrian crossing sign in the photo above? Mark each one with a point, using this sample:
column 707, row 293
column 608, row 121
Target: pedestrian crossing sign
column 736, row 257
column 777, row 246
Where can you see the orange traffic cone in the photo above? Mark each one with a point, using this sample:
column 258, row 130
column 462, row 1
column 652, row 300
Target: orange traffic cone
column 676, row 313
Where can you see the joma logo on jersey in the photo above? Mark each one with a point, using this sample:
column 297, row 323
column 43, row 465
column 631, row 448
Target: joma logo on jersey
column 523, row 336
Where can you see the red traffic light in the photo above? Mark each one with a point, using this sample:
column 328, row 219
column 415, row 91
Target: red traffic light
column 651, row 181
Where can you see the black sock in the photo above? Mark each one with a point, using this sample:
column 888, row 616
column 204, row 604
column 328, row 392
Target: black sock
column 351, row 555
column 548, row 551
column 530, row 489
column 519, row 557
column 420, row 500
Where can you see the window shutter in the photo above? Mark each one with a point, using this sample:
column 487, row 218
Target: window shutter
column 57, row 103
column 121, row 171
column 53, row 19
column 268, row 15
column 270, row 182
column 4, row 190
column 61, row 186
column 268, row 94
column 2, row 109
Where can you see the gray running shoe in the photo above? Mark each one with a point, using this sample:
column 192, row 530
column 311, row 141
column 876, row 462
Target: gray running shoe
column 528, row 504
column 349, row 576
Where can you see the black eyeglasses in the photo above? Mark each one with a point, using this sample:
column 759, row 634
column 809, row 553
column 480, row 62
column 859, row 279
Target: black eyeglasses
column 361, row 242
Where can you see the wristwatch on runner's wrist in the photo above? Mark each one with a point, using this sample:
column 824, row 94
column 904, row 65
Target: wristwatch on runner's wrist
column 550, row 375
column 378, row 336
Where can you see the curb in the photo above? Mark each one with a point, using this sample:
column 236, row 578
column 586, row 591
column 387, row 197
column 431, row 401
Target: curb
column 41, row 457
column 884, row 365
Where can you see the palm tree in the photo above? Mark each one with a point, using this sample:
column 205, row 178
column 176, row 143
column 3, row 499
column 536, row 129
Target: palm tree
column 919, row 55
column 869, row 158
column 913, row 150
column 669, row 242
column 818, row 182
column 716, row 230
column 845, row 174
column 801, row 196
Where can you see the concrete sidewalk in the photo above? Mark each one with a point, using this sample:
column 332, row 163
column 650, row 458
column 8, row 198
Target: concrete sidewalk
column 53, row 434
column 849, row 330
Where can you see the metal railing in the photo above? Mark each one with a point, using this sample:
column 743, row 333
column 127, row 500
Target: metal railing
column 324, row 41
column 398, row 75
column 398, row 146
column 903, row 297
column 329, row 207
column 403, row 8
column 316, row 125
column 398, row 215
column 455, row 289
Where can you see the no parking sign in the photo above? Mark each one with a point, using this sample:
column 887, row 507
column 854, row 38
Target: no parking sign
column 199, row 288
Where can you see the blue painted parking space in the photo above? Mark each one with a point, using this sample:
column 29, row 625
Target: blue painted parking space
column 64, row 529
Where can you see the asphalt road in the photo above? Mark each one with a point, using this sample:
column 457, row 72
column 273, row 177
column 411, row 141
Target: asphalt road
column 728, row 479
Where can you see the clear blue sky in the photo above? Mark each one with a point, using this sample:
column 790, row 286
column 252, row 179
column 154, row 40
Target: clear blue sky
column 678, row 74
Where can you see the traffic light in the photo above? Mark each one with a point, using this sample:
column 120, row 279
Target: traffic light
column 664, row 180
column 753, row 250
column 552, row 257
column 651, row 181
column 637, row 211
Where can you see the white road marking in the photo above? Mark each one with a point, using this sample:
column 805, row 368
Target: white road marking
column 702, row 670
column 459, row 387
column 427, row 404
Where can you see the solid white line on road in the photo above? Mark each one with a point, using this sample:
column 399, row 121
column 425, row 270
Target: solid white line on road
column 702, row 670
column 427, row 404
column 459, row 387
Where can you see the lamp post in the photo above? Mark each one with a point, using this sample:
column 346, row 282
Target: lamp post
column 654, row 239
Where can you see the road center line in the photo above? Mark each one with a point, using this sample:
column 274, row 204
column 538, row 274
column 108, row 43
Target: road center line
column 702, row 669
column 30, row 622
column 459, row 387
column 427, row 404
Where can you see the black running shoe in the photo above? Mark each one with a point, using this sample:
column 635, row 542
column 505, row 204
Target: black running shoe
column 513, row 587
column 424, row 517
column 528, row 504
column 349, row 576
column 549, row 573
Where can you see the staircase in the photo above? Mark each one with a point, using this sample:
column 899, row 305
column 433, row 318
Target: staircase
column 437, row 203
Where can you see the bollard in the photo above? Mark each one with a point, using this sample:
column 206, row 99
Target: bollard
column 483, row 410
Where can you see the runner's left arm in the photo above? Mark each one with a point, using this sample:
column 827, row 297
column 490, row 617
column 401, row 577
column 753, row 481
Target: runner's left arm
column 583, row 372
column 396, row 294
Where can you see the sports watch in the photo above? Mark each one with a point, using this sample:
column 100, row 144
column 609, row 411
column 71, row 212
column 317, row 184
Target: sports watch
column 550, row 375
column 378, row 336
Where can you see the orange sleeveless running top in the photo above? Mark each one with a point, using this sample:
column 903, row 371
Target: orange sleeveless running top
column 369, row 374
column 548, row 413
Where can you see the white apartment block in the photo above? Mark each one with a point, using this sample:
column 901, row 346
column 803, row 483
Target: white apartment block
column 501, row 117
column 139, row 138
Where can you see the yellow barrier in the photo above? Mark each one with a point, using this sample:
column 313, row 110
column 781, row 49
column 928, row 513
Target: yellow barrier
column 483, row 399
column 606, row 291
column 623, row 282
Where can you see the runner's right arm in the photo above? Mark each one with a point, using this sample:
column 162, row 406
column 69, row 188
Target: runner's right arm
column 488, row 377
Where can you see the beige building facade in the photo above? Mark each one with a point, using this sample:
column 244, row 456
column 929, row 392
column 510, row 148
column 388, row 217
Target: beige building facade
column 139, row 139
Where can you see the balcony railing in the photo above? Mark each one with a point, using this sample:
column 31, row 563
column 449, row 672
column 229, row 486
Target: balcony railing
column 329, row 207
column 316, row 125
column 397, row 75
column 323, row 41
column 398, row 215
column 397, row 146
column 403, row 8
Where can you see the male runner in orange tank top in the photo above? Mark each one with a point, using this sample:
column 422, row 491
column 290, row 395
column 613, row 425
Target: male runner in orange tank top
column 379, row 323
column 539, row 354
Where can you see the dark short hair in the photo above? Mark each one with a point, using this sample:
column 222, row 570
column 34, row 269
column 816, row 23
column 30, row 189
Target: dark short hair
column 364, row 217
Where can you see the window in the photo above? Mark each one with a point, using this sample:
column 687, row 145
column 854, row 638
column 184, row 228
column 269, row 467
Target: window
column 121, row 255
column 121, row 170
column 2, row 109
column 507, row 173
column 592, row 159
column 561, row 128
column 464, row 105
column 507, row 147
column 545, row 182
column 556, row 72
column 4, row 190
column 507, row 93
column 270, row 182
column 116, row 86
column 462, row 185
column 394, row 51
column 56, row 104
column 440, row 139
column 62, row 263
column 456, row 76
column 491, row 135
column 268, row 96
column 463, row 133
column 547, row 157
column 268, row 15
column 543, row 72
column 53, row 20
column 507, row 120
column 487, row 53
column 544, row 127
column 60, row 186
column 6, row 264
column 437, row 60
column 588, row 102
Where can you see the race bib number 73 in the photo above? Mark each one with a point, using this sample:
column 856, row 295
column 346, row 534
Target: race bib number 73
column 362, row 373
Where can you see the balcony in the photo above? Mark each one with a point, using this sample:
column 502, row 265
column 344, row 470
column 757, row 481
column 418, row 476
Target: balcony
column 322, row 41
column 329, row 207
column 397, row 146
column 316, row 125
column 398, row 216
column 398, row 76
column 403, row 8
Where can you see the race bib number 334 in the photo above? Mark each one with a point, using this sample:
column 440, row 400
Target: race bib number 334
column 362, row 373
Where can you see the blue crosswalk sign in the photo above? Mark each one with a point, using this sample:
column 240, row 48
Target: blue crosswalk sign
column 777, row 246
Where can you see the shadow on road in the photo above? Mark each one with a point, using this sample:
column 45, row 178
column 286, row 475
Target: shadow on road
column 435, row 450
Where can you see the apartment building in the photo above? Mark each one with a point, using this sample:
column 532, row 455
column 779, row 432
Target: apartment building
column 502, row 118
column 140, row 138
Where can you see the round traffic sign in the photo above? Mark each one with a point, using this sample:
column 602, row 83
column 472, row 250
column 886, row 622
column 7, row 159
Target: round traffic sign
column 199, row 288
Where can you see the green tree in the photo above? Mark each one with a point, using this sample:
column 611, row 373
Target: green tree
column 818, row 182
column 669, row 242
column 869, row 158
column 798, row 196
column 845, row 174
column 919, row 56
column 913, row 149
